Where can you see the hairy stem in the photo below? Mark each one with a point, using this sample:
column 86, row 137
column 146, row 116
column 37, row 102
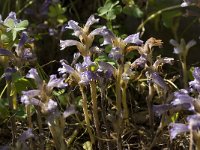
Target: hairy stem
column 30, row 125
column 39, row 119
column 118, row 106
column 103, row 107
column 124, row 103
column 185, row 77
column 86, row 114
column 93, row 87
column 149, row 105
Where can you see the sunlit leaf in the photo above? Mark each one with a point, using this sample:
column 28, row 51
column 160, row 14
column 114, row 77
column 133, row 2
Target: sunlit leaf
column 87, row 145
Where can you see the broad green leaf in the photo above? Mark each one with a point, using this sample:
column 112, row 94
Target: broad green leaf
column 110, row 10
column 10, row 23
column 22, row 24
column 105, row 9
column 61, row 19
column 14, row 34
column 19, row 29
column 115, row 11
column 5, row 38
column 21, row 84
column 133, row 10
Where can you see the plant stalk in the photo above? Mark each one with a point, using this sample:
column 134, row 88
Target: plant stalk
column 95, row 110
column 11, row 108
column 124, row 103
column 118, row 106
column 86, row 114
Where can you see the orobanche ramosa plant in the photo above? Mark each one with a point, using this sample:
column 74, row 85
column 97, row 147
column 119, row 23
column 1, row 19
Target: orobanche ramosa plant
column 88, row 99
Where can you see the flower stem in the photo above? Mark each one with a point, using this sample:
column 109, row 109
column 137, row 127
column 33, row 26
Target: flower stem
column 86, row 114
column 185, row 77
column 95, row 110
column 149, row 105
column 39, row 119
column 29, row 119
column 103, row 107
column 124, row 103
column 118, row 106
column 11, row 108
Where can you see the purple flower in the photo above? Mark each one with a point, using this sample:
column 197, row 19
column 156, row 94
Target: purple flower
column 28, row 55
column 181, row 97
column 86, row 77
column 33, row 74
column 115, row 53
column 23, row 40
column 69, row 111
column 177, row 128
column 194, row 122
column 50, row 106
column 30, row 94
column 105, row 70
column 91, row 20
column 8, row 73
column 56, row 82
column 74, row 26
column 160, row 109
column 26, row 135
column 30, row 101
column 4, row 52
column 66, row 68
column 67, row 43
column 108, row 36
column 134, row 39
column 156, row 78
column 161, row 61
column 140, row 62
column 195, row 84
column 81, row 73
column 87, row 61
column 12, row 16
column 182, row 48
column 196, row 73
column 77, row 29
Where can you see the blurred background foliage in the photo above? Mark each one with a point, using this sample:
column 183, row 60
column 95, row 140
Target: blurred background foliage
column 163, row 19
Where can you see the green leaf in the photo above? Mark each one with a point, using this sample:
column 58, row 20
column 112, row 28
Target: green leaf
column 14, row 34
column 174, row 117
column 10, row 23
column 61, row 19
column 22, row 24
column 4, row 111
column 87, row 145
column 133, row 10
column 110, row 10
column 105, row 9
column 20, row 82
column 115, row 11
